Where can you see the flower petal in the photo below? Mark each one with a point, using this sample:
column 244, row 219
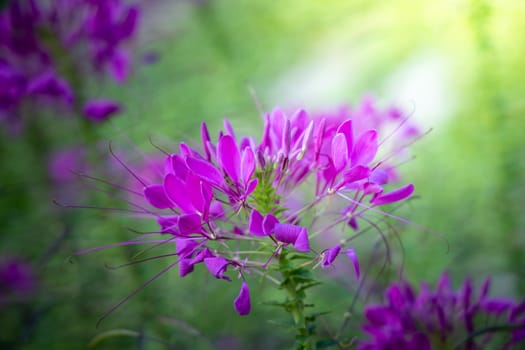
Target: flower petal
column 156, row 197
column 247, row 165
column 269, row 223
column 339, row 152
column 350, row 253
column 229, row 157
column 242, row 303
column 330, row 255
column 365, row 148
column 176, row 191
column 346, row 129
column 205, row 170
column 394, row 196
column 358, row 172
column 255, row 223
column 217, row 267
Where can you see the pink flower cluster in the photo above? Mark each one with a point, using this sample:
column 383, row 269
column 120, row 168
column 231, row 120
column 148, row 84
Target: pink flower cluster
column 232, row 205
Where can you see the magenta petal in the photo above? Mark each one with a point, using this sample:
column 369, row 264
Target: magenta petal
column 205, row 171
column 251, row 186
column 247, row 165
column 269, row 223
column 229, row 157
column 205, row 138
column 293, row 234
column 301, row 243
column 365, row 148
column 185, row 247
column 217, row 267
column 346, row 129
column 100, row 110
column 339, row 152
column 119, row 65
column 358, row 172
column 286, row 233
column 156, row 197
column 176, row 191
column 330, row 255
column 169, row 224
column 185, row 267
column 242, row 303
column 255, row 224
column 350, row 253
column 394, row 196
column 176, row 164
column 190, row 224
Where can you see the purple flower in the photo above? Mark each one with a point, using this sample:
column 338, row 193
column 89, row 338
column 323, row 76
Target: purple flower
column 100, row 110
column 17, row 280
column 39, row 39
column 239, row 206
column 441, row 319
column 242, row 303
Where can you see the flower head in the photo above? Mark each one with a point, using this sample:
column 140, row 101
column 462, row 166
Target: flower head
column 238, row 205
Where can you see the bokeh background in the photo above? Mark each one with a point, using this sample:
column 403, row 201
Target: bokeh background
column 456, row 67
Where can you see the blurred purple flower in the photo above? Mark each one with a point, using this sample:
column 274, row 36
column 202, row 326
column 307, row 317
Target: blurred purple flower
column 38, row 39
column 100, row 110
column 441, row 319
column 17, row 280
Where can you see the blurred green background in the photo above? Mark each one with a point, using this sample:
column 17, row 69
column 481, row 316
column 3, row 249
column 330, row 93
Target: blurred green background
column 457, row 67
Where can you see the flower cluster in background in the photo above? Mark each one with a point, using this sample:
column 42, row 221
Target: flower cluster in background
column 443, row 319
column 47, row 47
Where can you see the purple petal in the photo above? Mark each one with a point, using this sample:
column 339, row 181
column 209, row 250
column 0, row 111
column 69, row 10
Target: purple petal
column 251, row 186
column 185, row 267
column 365, row 148
column 497, row 306
column 255, row 223
column 185, row 247
column 176, row 191
column 242, row 303
column 205, row 138
column 176, row 164
column 156, row 197
column 190, row 224
column 350, row 253
column 169, row 224
column 330, row 255
column 229, row 129
column 356, row 173
column 394, row 196
column 200, row 193
column 301, row 243
column 420, row 341
column 379, row 176
column 100, row 110
column 287, row 233
column 247, row 165
column 346, row 129
column 286, row 138
column 229, row 157
column 217, row 267
column 339, row 152
column 119, row 65
column 269, row 223
column 51, row 85
column 205, row 171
